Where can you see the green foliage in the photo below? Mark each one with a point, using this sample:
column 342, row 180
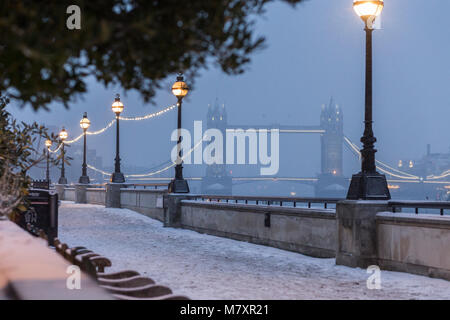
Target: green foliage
column 18, row 153
column 132, row 43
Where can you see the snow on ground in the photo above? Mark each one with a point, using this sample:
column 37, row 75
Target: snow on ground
column 207, row 267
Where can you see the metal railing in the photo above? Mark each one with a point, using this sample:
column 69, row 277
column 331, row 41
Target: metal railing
column 126, row 185
column 97, row 186
column 145, row 186
column 280, row 201
column 441, row 206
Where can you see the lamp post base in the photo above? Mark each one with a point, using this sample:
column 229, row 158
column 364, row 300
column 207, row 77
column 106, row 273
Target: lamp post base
column 368, row 186
column 62, row 180
column 117, row 177
column 178, row 186
column 84, row 180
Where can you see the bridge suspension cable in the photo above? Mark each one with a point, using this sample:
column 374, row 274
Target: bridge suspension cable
column 98, row 170
column 352, row 146
column 412, row 177
column 173, row 164
column 380, row 165
column 442, row 175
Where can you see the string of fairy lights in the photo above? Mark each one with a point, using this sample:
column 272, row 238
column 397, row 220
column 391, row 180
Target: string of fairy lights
column 179, row 89
column 151, row 115
column 442, row 175
column 56, row 150
column 139, row 118
column 110, row 124
column 381, row 166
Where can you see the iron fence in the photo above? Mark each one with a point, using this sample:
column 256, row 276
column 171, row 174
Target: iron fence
column 327, row 203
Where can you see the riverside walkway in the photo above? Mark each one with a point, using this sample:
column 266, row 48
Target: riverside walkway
column 208, row 267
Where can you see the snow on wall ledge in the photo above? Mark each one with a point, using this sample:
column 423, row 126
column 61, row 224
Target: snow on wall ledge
column 307, row 231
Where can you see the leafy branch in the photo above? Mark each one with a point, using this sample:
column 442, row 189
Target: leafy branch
column 18, row 153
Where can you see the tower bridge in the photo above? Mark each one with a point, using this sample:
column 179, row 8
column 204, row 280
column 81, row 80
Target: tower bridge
column 429, row 181
column 217, row 179
column 330, row 181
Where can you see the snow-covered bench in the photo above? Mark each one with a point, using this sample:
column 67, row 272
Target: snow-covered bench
column 124, row 285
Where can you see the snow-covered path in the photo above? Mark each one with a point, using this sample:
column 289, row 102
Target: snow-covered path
column 207, row 267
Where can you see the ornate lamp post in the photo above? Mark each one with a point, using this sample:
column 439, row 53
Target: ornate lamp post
column 84, row 124
column 368, row 184
column 179, row 185
column 48, row 144
column 63, row 136
column 117, row 108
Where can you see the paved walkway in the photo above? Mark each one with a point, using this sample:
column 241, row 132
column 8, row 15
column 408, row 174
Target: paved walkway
column 207, row 267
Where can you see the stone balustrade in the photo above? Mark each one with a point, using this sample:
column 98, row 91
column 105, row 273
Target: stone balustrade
column 146, row 201
column 356, row 233
column 307, row 231
column 411, row 243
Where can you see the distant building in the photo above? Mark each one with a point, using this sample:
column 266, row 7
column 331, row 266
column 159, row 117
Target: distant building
column 432, row 166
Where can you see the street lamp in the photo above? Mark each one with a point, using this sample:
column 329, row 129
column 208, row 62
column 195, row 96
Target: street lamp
column 117, row 108
column 368, row 184
column 63, row 136
column 179, row 185
column 85, row 123
column 48, row 144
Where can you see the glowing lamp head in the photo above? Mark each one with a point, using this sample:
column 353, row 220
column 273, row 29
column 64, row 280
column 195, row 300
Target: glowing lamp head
column 180, row 89
column 368, row 9
column 117, row 106
column 85, row 123
column 63, row 134
column 48, row 143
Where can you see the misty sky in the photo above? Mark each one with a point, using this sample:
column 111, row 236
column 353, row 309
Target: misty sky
column 313, row 52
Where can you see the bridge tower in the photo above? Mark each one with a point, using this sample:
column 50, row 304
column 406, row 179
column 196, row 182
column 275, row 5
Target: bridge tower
column 217, row 180
column 331, row 181
column 331, row 120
